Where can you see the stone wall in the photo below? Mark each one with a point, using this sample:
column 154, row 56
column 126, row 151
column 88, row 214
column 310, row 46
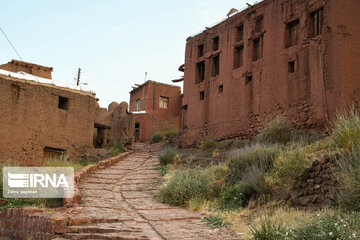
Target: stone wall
column 316, row 187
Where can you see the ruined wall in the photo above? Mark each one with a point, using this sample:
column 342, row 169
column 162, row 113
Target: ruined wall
column 304, row 80
column 30, row 120
column 34, row 69
column 317, row 186
column 156, row 119
column 120, row 124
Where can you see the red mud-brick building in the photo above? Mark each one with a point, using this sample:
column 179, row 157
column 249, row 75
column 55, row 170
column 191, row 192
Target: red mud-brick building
column 291, row 57
column 156, row 107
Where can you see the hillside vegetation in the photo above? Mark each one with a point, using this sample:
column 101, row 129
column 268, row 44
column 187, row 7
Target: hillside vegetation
column 242, row 184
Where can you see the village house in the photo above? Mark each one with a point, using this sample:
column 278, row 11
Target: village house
column 295, row 58
column 41, row 118
column 156, row 107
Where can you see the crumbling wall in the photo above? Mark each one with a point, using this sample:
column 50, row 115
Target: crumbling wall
column 31, row 120
column 316, row 187
column 119, row 123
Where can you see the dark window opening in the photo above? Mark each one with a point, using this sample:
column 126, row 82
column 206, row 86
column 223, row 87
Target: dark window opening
column 185, row 117
column 257, row 49
column 215, row 45
column 291, row 66
column 15, row 92
column 238, row 56
column 202, row 95
column 221, row 88
column 200, row 71
column 63, row 103
column 259, row 24
column 215, row 66
column 248, row 79
column 201, row 50
column 108, row 141
column 137, row 125
column 239, row 33
column 316, row 23
column 292, row 29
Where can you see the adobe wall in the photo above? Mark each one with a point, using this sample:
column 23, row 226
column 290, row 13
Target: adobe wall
column 30, row 120
column 324, row 78
column 119, row 121
column 156, row 119
column 34, row 69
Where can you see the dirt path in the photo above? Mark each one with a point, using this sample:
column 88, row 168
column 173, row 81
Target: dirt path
column 118, row 203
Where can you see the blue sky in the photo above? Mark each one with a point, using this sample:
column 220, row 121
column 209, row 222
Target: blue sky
column 114, row 42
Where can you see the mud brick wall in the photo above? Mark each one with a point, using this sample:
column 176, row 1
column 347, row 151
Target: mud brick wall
column 31, row 120
column 305, row 81
column 34, row 69
column 316, row 187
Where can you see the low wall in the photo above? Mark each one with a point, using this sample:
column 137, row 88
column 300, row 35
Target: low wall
column 36, row 223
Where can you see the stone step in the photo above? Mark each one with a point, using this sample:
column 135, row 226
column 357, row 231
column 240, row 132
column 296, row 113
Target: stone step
column 104, row 236
column 101, row 229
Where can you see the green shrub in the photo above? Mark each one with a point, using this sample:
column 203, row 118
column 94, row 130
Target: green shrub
column 348, row 178
column 276, row 130
column 257, row 155
column 290, row 165
column 168, row 156
column 170, row 132
column 255, row 178
column 346, row 132
column 185, row 185
column 236, row 196
column 116, row 147
column 207, row 143
column 156, row 137
column 218, row 176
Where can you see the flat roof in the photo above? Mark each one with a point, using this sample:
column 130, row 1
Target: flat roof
column 148, row 81
column 45, row 81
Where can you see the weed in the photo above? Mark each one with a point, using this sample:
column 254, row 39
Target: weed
column 257, row 155
column 170, row 132
column 215, row 221
column 255, row 178
column 349, row 179
column 207, row 143
column 268, row 230
column 163, row 170
column 236, row 196
column 276, row 130
column 168, row 156
column 346, row 132
column 289, row 165
column 185, row 185
column 116, row 147
column 156, row 137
